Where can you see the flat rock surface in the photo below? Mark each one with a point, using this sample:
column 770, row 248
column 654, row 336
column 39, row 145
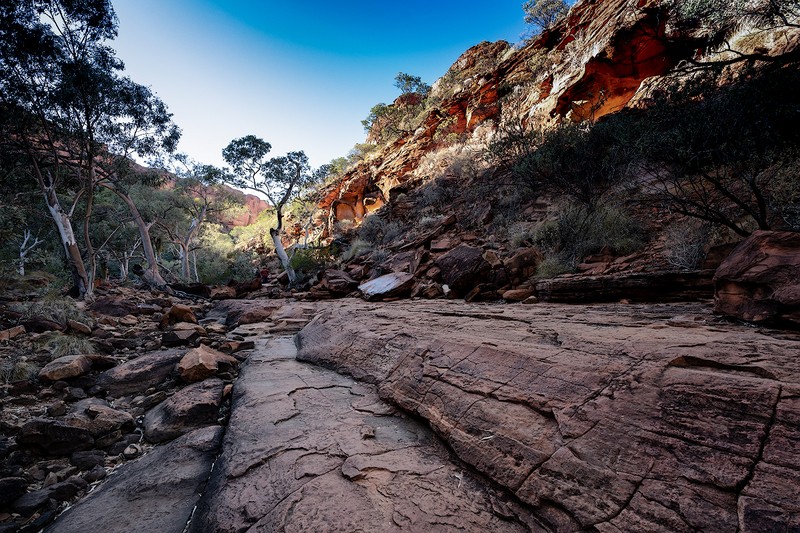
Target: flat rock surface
column 154, row 493
column 310, row 450
column 602, row 417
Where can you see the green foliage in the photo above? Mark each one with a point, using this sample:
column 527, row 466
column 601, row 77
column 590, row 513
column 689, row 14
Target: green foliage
column 411, row 84
column 307, row 262
column 579, row 231
column 59, row 344
column 359, row 247
column 543, row 14
column 52, row 306
column 16, row 368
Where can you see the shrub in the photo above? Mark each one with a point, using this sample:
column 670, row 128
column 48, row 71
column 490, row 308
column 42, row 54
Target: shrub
column 685, row 244
column 552, row 266
column 307, row 262
column 17, row 369
column 59, row 344
column 53, row 307
column 579, row 231
column 357, row 248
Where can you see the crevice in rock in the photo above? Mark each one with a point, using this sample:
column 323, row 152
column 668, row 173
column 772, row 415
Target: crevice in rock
column 699, row 363
column 742, row 485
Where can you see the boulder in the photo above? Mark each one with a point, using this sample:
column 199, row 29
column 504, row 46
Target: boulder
column 190, row 408
column 517, row 295
column 79, row 327
column 760, row 280
column 12, row 333
column 113, row 306
column 222, row 292
column 97, row 417
column 139, row 374
column 203, row 362
column 178, row 313
column 69, row 366
column 337, row 282
column 179, row 337
column 87, row 460
column 387, row 286
column 463, row 267
column 154, row 493
column 54, row 438
column 12, row 488
column 522, row 265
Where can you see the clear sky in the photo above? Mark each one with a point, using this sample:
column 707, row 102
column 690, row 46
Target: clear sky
column 300, row 74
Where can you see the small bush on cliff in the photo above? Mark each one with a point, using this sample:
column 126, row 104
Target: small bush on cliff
column 543, row 14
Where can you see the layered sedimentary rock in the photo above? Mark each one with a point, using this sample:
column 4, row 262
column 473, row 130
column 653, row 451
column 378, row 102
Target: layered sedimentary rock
column 612, row 418
column 310, row 450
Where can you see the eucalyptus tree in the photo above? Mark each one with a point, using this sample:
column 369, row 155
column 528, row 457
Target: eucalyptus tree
column 197, row 197
column 72, row 113
column 280, row 179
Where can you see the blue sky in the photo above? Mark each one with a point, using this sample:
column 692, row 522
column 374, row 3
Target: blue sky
column 301, row 75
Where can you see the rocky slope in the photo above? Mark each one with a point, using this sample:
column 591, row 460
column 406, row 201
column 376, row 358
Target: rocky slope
column 604, row 56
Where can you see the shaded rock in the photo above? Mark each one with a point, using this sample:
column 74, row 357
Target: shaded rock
column 337, row 282
column 522, row 265
column 116, row 306
column 190, row 408
column 154, row 493
column 667, row 286
column 39, row 324
column 86, row 460
column 12, row 488
column 69, row 366
column 54, row 438
column 180, row 337
column 222, row 293
column 463, row 267
column 68, row 488
column 29, row 503
column 178, row 313
column 204, row 362
column 387, row 286
column 98, row 418
column 139, row 374
column 760, row 280
column 12, row 333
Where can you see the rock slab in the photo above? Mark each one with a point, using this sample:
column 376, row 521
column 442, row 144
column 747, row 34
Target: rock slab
column 309, row 450
column 760, row 280
column 604, row 417
column 154, row 493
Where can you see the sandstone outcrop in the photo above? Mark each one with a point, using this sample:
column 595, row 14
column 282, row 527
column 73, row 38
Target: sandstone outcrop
column 760, row 280
column 140, row 373
column 154, row 493
column 204, row 362
column 309, row 450
column 190, row 408
column 612, row 418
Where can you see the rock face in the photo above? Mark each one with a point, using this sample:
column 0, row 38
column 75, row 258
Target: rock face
column 463, row 267
column 139, row 374
column 656, row 418
column 154, row 493
column 760, row 280
column 190, row 408
column 387, row 286
column 310, row 450
column 69, row 366
column 203, row 362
